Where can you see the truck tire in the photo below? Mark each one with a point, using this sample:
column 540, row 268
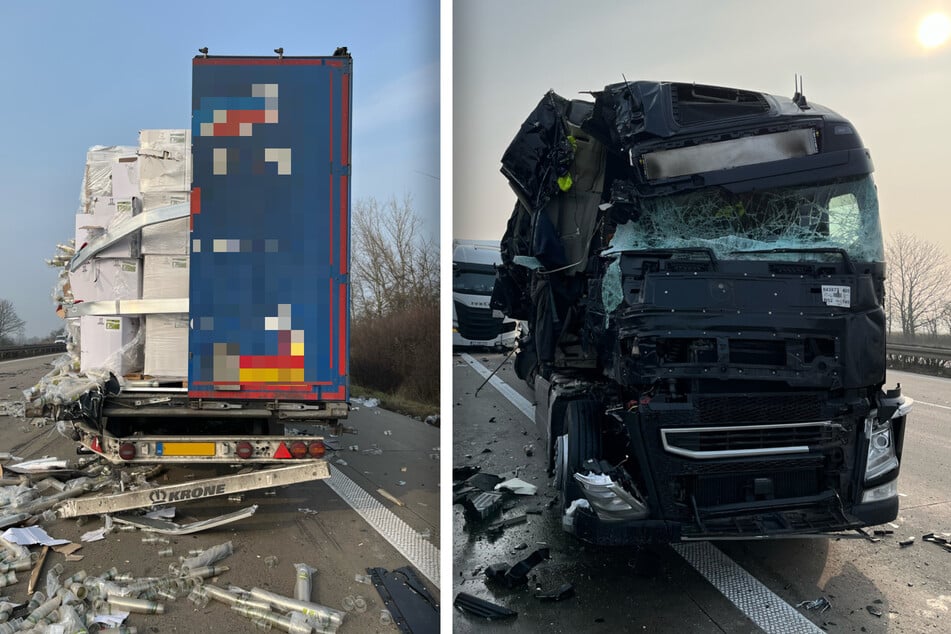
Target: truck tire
column 581, row 442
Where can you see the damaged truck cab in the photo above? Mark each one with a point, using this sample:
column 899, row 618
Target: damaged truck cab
column 702, row 271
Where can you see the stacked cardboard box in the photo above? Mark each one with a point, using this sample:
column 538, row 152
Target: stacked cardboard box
column 165, row 179
column 110, row 182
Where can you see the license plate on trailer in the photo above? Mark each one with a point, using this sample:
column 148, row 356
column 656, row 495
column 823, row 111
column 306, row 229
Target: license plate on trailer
column 185, row 449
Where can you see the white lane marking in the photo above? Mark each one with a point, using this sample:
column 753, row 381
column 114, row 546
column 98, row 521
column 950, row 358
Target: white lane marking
column 765, row 608
column 747, row 593
column 504, row 389
column 917, row 402
column 423, row 555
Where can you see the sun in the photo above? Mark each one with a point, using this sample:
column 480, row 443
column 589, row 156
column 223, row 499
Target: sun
column 934, row 30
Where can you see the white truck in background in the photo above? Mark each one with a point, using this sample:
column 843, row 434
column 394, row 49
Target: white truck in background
column 474, row 323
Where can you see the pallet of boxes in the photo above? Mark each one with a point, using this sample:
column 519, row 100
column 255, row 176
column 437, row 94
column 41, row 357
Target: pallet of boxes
column 143, row 342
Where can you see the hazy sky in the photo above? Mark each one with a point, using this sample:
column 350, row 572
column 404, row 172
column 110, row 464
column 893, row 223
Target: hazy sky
column 77, row 74
column 861, row 59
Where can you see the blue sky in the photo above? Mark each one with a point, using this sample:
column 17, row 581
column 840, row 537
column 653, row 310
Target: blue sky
column 95, row 73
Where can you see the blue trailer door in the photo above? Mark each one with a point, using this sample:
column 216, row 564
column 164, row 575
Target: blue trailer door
column 270, row 223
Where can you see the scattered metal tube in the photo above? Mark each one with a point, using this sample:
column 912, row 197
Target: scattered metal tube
column 281, row 622
column 324, row 616
column 208, row 557
column 205, row 572
column 303, row 587
column 142, row 606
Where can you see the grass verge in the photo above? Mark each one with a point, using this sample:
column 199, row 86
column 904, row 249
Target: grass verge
column 396, row 403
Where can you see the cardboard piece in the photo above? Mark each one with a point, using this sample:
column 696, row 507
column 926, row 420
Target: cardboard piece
column 166, row 346
column 102, row 340
column 107, row 278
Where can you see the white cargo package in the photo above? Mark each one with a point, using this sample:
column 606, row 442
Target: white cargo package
column 106, row 342
column 107, row 278
column 164, row 276
column 125, row 178
column 166, row 345
column 165, row 161
column 90, row 227
column 97, row 178
column 165, row 238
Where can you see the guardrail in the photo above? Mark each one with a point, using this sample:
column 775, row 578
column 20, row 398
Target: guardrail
column 22, row 352
column 914, row 357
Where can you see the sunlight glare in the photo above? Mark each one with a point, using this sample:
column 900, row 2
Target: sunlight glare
column 934, row 30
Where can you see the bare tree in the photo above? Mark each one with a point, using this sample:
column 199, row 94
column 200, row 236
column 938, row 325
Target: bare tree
column 394, row 265
column 10, row 323
column 916, row 284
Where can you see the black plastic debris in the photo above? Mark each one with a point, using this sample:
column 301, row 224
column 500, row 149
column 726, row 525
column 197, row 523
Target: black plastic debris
column 529, row 450
column 482, row 608
column 906, row 542
column 874, row 611
column 483, row 481
column 564, row 591
column 940, row 540
column 484, row 505
column 502, row 524
column 413, row 608
column 820, row 605
column 464, row 472
column 518, row 574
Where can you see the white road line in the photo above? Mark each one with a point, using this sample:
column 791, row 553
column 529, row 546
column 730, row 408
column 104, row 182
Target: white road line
column 917, row 402
column 423, row 555
column 504, row 389
column 766, row 609
column 755, row 600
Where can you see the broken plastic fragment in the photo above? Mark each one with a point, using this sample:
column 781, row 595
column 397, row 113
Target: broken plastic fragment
column 517, row 486
column 561, row 593
column 482, row 608
column 821, row 604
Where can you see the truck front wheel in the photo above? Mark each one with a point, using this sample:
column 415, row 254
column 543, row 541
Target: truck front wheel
column 581, row 442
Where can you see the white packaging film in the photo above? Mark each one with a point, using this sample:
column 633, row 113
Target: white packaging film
column 105, row 213
column 165, row 161
column 165, row 238
column 97, row 178
column 107, row 278
column 110, row 343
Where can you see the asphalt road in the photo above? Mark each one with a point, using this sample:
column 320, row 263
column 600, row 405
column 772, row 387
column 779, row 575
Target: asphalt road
column 620, row 589
column 305, row 522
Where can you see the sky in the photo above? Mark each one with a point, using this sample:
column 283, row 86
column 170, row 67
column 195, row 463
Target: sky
column 78, row 74
column 861, row 59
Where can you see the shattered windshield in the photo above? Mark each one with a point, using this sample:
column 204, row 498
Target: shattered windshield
column 834, row 215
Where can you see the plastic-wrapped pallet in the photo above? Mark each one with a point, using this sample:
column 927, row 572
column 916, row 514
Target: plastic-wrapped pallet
column 107, row 278
column 165, row 161
column 97, row 178
column 164, row 277
column 110, row 343
column 165, row 177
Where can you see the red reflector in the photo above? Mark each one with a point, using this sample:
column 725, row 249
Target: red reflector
column 127, row 451
column 298, row 449
column 95, row 445
column 244, row 449
column 316, row 449
column 282, row 451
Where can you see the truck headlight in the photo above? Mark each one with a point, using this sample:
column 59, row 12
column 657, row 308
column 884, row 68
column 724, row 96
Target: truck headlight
column 881, row 449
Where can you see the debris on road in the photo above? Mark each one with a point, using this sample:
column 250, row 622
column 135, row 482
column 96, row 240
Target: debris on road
column 907, row 542
column 499, row 526
column 517, row 574
column 529, row 450
column 874, row 611
column 410, row 605
column 943, row 540
column 820, row 605
column 564, row 591
column 517, row 486
column 483, row 506
column 389, row 496
column 482, row 608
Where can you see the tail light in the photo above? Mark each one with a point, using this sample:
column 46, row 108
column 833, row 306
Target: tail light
column 244, row 450
column 298, row 449
column 316, row 449
column 127, row 451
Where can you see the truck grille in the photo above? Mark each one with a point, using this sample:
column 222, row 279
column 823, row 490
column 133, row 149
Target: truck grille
column 757, row 409
column 745, row 440
column 477, row 323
